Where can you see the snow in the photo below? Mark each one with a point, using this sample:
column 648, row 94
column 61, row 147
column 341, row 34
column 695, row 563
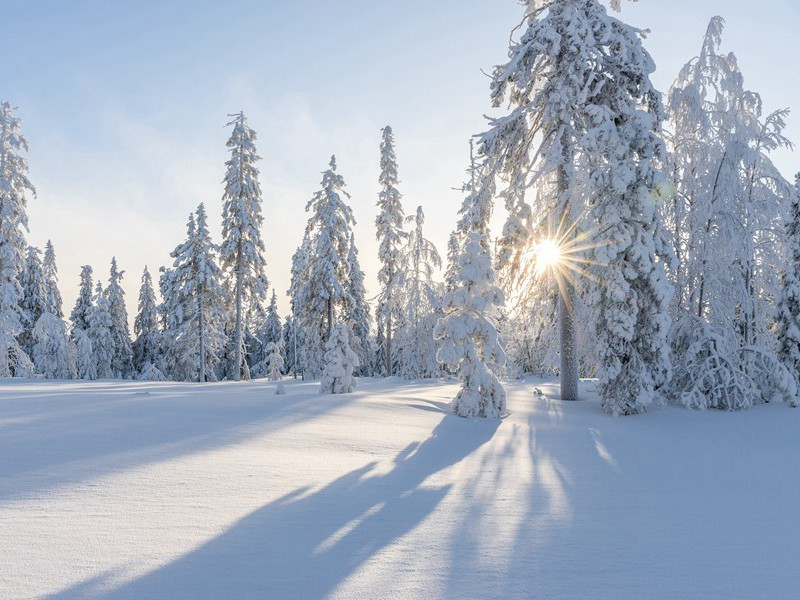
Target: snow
column 225, row 490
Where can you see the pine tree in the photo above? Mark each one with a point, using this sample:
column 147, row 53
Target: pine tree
column 467, row 331
column 34, row 297
column 390, row 235
column 50, row 270
column 269, row 332
column 146, row 347
column 14, row 185
column 122, row 360
column 420, row 299
column 79, row 317
column 242, row 250
column 789, row 301
column 198, row 282
column 356, row 312
column 340, row 362
column 84, row 354
column 53, row 353
column 323, row 295
column 100, row 333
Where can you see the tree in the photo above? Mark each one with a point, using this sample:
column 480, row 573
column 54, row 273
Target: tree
column 196, row 281
column 122, row 361
column 390, row 235
column 53, row 354
column 50, row 270
column 79, row 317
column 356, row 312
column 420, row 300
column 14, row 185
column 242, row 250
column 34, row 297
column 275, row 361
column 269, row 331
column 340, row 362
column 101, row 324
column 467, row 331
column 292, row 342
column 85, row 363
column 789, row 302
column 323, row 287
column 146, row 347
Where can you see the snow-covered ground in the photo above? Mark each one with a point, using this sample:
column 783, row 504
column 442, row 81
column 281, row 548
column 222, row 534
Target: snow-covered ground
column 162, row 490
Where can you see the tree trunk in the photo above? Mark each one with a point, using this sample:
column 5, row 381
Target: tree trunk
column 389, row 343
column 569, row 355
column 330, row 318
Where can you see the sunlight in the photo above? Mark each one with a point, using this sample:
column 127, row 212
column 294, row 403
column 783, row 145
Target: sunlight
column 548, row 254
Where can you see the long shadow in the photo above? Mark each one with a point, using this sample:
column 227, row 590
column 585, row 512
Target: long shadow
column 305, row 544
column 68, row 433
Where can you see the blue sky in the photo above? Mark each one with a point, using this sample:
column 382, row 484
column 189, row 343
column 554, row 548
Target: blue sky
column 125, row 103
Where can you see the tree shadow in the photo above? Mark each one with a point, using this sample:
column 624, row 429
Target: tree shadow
column 305, row 544
column 65, row 433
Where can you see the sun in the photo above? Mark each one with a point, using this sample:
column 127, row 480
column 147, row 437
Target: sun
column 548, row 254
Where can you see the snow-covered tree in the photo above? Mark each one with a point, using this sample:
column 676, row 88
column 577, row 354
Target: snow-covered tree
column 420, row 301
column 50, row 270
column 242, row 249
column 292, row 345
column 469, row 342
column 467, row 331
column 269, row 331
column 146, row 347
column 79, row 317
column 101, row 324
column 122, row 361
column 726, row 217
column 356, row 311
column 195, row 282
column 789, row 302
column 14, row 185
column 340, row 362
column 53, row 354
column 323, row 286
column 34, row 296
column 84, row 354
column 390, row 235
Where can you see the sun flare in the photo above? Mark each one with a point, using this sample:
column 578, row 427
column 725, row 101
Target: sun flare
column 548, row 254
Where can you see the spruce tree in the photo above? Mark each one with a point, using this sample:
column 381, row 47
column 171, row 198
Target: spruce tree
column 390, row 235
column 54, row 302
column 14, row 185
column 340, row 362
column 789, row 301
column 101, row 324
column 323, row 288
column 34, row 297
column 356, row 312
column 146, row 347
column 242, row 250
column 122, row 361
column 79, row 317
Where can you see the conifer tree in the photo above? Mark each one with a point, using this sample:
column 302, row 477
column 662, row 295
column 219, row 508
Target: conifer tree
column 146, row 347
column 100, row 334
column 84, row 354
column 79, row 317
column 356, row 312
column 242, row 250
column 34, row 297
column 122, row 357
column 467, row 331
column 197, row 280
column 340, row 362
column 269, row 332
column 54, row 302
column 53, row 354
column 390, row 234
column 420, row 299
column 14, row 185
column 323, row 288
column 789, row 301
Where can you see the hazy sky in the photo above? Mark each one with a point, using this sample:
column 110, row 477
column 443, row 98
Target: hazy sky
column 124, row 104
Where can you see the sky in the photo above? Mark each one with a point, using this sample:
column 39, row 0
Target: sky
column 125, row 104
